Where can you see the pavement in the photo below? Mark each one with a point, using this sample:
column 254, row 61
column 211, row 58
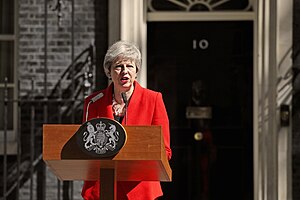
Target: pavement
column 51, row 188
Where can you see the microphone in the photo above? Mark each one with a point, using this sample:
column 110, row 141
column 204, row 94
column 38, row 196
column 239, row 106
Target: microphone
column 125, row 100
column 93, row 100
column 124, row 97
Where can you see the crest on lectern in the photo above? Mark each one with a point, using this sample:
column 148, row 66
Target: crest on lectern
column 101, row 137
column 96, row 138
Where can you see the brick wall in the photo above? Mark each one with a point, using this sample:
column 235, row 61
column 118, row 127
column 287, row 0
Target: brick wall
column 90, row 24
column 59, row 40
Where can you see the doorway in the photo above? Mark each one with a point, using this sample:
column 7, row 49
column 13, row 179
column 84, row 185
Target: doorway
column 206, row 66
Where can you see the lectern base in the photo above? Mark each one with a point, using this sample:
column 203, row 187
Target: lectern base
column 108, row 185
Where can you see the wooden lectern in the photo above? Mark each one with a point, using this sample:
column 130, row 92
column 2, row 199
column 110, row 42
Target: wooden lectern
column 142, row 158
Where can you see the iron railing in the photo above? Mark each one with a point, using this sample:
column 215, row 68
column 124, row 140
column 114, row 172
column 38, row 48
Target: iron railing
column 27, row 167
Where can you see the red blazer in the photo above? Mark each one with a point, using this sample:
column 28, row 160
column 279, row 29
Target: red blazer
column 146, row 107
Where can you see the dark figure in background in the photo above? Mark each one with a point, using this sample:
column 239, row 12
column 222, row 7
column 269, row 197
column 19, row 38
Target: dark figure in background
column 204, row 148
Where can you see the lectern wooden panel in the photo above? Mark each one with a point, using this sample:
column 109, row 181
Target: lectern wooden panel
column 142, row 158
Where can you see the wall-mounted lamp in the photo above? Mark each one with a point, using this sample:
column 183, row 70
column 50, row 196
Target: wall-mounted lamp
column 59, row 7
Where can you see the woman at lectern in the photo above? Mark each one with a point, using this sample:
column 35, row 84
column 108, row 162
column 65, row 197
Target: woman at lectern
column 126, row 101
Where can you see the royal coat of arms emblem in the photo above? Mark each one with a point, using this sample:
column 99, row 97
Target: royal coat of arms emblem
column 95, row 139
column 101, row 137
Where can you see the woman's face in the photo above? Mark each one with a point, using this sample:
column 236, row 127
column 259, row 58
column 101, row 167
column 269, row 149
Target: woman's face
column 123, row 73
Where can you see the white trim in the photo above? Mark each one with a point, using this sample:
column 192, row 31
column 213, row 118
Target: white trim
column 7, row 37
column 134, row 29
column 200, row 16
column 9, row 85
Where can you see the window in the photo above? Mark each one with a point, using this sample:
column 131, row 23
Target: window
column 8, row 62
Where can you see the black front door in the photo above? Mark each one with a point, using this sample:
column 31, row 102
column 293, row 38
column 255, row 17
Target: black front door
column 205, row 73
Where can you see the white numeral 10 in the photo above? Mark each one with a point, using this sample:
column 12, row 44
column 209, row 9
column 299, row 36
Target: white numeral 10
column 200, row 44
